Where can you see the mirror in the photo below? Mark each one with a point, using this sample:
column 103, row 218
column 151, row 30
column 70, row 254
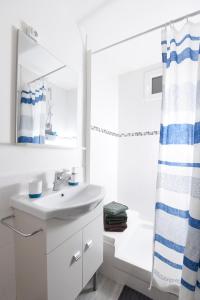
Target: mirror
column 46, row 111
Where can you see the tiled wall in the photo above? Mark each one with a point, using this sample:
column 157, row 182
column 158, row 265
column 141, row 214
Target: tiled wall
column 139, row 124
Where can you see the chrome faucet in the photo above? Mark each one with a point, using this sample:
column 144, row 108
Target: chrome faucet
column 61, row 179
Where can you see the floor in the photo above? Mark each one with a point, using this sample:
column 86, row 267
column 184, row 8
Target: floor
column 129, row 294
column 106, row 290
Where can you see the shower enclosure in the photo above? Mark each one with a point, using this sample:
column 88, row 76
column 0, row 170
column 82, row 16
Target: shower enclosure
column 126, row 97
column 125, row 124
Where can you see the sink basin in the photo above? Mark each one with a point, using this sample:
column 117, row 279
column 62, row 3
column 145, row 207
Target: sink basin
column 69, row 202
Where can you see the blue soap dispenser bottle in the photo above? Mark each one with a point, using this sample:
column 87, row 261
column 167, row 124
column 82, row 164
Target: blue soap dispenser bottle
column 74, row 177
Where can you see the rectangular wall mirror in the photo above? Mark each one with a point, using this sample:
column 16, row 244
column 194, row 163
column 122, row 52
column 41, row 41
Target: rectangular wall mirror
column 46, row 110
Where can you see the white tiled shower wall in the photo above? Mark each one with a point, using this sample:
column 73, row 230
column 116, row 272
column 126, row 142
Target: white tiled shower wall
column 138, row 155
column 104, row 148
column 126, row 166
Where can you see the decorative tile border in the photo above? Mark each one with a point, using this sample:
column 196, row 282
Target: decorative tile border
column 101, row 130
column 139, row 133
column 129, row 134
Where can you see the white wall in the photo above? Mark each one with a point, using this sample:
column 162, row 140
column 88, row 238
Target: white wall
column 59, row 34
column 138, row 155
column 72, row 112
column 119, row 19
column 104, row 114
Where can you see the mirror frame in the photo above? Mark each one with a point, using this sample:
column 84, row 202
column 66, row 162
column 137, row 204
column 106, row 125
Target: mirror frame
column 17, row 101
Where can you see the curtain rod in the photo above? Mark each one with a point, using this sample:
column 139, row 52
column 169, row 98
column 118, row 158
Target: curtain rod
column 197, row 12
column 47, row 74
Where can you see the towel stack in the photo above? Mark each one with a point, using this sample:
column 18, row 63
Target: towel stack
column 115, row 217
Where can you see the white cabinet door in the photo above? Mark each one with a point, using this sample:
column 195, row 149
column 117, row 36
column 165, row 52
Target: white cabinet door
column 92, row 248
column 64, row 270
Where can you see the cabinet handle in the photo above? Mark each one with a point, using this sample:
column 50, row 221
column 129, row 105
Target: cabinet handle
column 77, row 256
column 89, row 244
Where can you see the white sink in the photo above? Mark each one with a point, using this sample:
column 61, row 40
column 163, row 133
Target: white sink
column 69, row 202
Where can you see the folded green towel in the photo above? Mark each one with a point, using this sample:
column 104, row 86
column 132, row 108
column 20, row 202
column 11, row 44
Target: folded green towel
column 114, row 208
column 113, row 217
column 116, row 218
column 116, row 228
column 115, row 221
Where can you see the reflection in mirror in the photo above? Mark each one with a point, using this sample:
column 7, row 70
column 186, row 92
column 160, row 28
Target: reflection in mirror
column 46, row 97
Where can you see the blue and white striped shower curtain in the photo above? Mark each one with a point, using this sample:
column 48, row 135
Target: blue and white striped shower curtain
column 32, row 114
column 176, row 267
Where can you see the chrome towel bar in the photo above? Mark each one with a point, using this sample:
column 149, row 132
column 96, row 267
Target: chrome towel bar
column 3, row 222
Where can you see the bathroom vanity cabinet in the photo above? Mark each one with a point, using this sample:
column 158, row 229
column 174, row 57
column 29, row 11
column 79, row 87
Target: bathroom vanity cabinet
column 58, row 262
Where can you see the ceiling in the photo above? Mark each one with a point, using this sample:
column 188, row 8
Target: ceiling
column 110, row 21
column 84, row 10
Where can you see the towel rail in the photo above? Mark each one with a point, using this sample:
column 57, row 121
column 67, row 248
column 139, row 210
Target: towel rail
column 21, row 233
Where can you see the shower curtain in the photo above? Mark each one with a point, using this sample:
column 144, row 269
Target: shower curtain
column 176, row 263
column 32, row 114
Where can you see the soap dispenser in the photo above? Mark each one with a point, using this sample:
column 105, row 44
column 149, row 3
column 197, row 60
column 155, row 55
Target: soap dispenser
column 35, row 189
column 74, row 177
